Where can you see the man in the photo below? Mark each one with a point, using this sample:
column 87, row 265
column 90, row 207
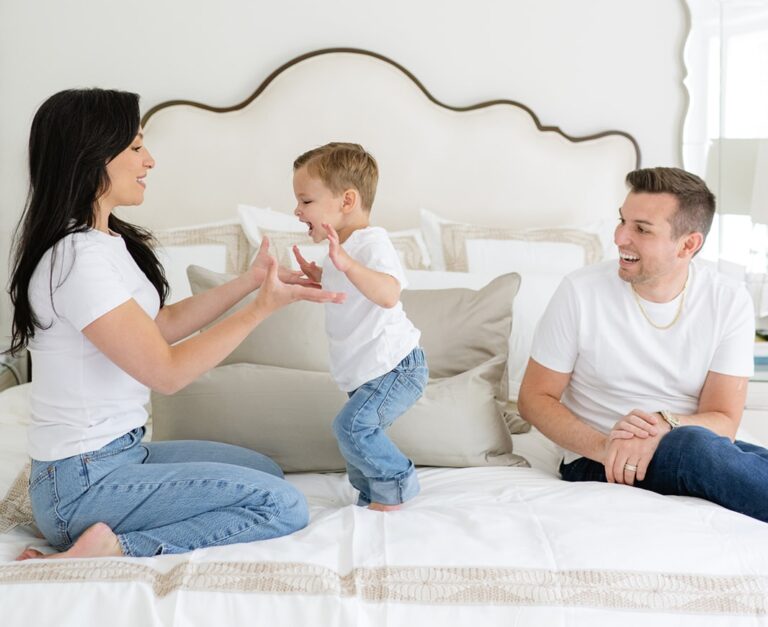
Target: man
column 639, row 367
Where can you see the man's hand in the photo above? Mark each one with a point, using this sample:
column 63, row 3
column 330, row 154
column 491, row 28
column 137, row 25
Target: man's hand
column 637, row 423
column 260, row 265
column 627, row 460
column 338, row 255
column 312, row 271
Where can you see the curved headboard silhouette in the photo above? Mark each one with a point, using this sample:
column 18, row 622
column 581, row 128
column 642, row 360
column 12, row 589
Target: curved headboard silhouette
column 491, row 163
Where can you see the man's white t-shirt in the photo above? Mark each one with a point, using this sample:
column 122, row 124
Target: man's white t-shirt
column 366, row 340
column 80, row 400
column 594, row 329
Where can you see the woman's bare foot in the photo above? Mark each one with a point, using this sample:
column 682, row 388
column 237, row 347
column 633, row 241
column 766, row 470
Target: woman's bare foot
column 29, row 554
column 380, row 507
column 96, row 541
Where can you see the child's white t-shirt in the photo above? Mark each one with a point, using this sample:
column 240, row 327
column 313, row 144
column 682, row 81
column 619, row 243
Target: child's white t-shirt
column 594, row 329
column 366, row 340
column 80, row 400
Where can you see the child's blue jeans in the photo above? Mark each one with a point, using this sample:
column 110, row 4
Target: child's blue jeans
column 375, row 466
column 165, row 497
column 694, row 461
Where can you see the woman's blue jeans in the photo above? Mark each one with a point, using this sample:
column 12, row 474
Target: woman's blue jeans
column 165, row 497
column 375, row 466
column 694, row 461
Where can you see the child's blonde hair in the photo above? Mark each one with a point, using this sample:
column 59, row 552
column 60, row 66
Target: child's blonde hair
column 341, row 165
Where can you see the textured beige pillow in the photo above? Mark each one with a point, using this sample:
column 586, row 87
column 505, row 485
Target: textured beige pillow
column 460, row 328
column 294, row 337
column 461, row 420
column 287, row 414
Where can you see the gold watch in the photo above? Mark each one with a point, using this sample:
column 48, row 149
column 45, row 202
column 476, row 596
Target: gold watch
column 670, row 418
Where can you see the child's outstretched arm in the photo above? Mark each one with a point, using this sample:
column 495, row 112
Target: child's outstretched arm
column 378, row 287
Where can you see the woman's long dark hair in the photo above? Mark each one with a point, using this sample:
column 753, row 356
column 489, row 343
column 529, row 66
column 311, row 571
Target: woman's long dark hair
column 74, row 134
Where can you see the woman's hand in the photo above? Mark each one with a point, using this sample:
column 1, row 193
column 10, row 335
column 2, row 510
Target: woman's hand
column 275, row 294
column 258, row 270
column 338, row 255
column 312, row 271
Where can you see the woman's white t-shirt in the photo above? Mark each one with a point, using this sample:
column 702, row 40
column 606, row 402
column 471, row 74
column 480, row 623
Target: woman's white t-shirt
column 366, row 340
column 80, row 400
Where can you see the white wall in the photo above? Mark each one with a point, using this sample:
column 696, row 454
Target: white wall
column 583, row 65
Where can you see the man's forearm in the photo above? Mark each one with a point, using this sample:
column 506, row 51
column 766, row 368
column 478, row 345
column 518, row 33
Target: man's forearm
column 717, row 422
column 561, row 426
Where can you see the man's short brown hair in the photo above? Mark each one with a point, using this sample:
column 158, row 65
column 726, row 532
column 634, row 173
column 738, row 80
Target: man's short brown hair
column 340, row 166
column 695, row 203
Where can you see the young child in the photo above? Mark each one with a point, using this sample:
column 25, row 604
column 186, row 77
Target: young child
column 374, row 348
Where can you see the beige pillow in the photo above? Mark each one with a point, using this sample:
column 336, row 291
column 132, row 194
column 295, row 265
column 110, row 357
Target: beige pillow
column 293, row 337
column 499, row 249
column 228, row 235
column 460, row 328
column 287, row 414
column 464, row 332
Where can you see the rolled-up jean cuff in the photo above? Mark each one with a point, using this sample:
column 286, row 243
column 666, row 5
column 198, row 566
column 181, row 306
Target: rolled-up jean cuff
column 394, row 491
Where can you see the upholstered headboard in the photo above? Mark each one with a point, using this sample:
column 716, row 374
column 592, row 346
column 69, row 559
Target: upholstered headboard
column 491, row 163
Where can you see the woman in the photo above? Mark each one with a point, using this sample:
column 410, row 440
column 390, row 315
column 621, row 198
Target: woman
column 88, row 295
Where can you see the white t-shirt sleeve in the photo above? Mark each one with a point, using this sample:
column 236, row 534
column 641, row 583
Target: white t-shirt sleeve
column 379, row 254
column 91, row 286
column 734, row 355
column 555, row 342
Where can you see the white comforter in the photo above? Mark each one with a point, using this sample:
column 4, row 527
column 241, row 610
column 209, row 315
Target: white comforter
column 479, row 546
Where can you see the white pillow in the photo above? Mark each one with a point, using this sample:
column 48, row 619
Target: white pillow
column 285, row 230
column 219, row 246
column 14, row 471
column 456, row 246
column 536, row 289
column 175, row 260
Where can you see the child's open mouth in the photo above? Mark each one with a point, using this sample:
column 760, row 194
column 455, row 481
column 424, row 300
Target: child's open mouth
column 309, row 226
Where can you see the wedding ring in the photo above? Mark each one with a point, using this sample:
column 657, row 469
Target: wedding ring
column 630, row 467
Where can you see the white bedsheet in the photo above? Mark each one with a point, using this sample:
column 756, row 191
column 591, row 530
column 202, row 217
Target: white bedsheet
column 490, row 546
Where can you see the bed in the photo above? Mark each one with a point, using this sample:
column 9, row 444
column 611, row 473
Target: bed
column 488, row 208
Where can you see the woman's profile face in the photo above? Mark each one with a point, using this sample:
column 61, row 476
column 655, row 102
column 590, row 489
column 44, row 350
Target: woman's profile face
column 126, row 175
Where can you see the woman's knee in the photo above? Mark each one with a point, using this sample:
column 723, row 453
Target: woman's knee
column 292, row 512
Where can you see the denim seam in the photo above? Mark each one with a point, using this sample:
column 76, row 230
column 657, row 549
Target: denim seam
column 100, row 456
column 61, row 524
column 274, row 508
column 408, row 381
column 125, row 545
column 355, row 417
column 104, row 486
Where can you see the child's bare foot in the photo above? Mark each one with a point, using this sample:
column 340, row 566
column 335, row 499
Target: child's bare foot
column 97, row 541
column 381, row 507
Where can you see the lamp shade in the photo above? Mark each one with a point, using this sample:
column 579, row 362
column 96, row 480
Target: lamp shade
column 737, row 173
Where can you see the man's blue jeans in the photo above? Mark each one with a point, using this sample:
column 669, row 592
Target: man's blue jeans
column 376, row 467
column 165, row 497
column 694, row 461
